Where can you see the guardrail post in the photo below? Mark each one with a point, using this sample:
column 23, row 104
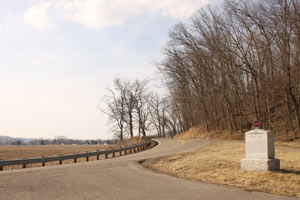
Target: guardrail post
column 113, row 154
column 43, row 164
column 120, row 152
column 130, row 150
column 87, row 157
column 125, row 151
column 97, row 154
column 75, row 160
column 106, row 156
column 60, row 161
column 1, row 168
column 24, row 166
column 134, row 149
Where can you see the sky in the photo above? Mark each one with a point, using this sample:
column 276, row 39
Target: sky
column 58, row 57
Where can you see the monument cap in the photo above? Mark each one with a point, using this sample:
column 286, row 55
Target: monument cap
column 256, row 124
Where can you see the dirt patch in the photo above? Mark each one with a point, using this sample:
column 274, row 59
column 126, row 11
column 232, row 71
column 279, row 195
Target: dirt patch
column 220, row 164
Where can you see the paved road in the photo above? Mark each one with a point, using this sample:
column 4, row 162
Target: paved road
column 113, row 179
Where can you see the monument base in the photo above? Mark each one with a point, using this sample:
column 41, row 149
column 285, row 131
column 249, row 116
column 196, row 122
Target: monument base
column 260, row 164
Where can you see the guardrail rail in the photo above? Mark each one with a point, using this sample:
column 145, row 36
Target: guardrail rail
column 127, row 150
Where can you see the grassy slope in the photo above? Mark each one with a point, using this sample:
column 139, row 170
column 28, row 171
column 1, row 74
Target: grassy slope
column 199, row 132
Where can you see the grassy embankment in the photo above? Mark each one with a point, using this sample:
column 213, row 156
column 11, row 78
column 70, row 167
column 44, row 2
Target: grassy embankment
column 21, row 152
column 220, row 164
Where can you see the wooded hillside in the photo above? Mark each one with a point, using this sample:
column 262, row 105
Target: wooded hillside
column 232, row 65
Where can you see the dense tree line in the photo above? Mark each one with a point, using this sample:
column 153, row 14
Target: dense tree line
column 59, row 140
column 234, row 64
column 65, row 141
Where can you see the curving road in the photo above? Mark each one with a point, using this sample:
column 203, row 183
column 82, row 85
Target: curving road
column 119, row 178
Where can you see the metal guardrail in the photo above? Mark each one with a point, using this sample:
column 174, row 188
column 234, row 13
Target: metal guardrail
column 135, row 148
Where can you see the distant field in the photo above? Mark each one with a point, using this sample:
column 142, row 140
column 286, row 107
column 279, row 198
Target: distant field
column 20, row 152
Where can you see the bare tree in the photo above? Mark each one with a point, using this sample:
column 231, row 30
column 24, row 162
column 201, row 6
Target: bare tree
column 141, row 106
column 116, row 106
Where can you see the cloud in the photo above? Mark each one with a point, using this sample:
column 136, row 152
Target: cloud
column 47, row 58
column 106, row 13
column 38, row 16
column 174, row 8
column 99, row 13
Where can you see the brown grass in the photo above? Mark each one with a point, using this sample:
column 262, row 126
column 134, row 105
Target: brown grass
column 294, row 144
column 201, row 133
column 220, row 164
column 21, row 152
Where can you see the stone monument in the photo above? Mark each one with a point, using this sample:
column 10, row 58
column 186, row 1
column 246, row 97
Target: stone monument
column 260, row 152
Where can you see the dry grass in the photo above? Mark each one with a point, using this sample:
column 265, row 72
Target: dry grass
column 21, row 152
column 132, row 141
column 220, row 164
column 201, row 133
column 294, row 144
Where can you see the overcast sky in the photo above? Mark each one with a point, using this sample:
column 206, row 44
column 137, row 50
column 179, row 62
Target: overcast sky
column 57, row 57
